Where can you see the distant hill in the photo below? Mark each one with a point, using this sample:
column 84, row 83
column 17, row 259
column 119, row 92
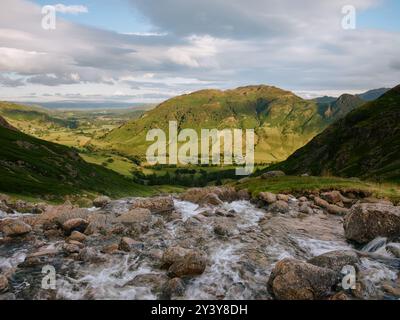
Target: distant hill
column 372, row 95
column 283, row 121
column 30, row 166
column 366, row 144
column 32, row 115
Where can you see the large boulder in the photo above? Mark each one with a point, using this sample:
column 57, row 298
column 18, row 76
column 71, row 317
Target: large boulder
column 268, row 197
column 368, row 221
column 14, row 228
column 192, row 264
column 60, row 214
column 135, row 216
column 158, row 205
column 330, row 208
column 336, row 260
column 279, row 207
column 77, row 224
column 296, row 280
column 128, row 244
column 200, row 195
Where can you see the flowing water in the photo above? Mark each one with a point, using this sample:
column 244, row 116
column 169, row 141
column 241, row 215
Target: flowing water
column 239, row 264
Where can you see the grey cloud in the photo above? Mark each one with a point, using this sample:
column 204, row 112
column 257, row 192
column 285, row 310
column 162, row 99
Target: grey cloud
column 6, row 81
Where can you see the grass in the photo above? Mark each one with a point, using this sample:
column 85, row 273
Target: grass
column 299, row 185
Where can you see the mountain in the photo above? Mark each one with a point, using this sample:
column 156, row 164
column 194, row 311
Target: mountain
column 341, row 106
column 325, row 99
column 365, row 144
column 22, row 115
column 372, row 95
column 283, row 122
column 31, row 166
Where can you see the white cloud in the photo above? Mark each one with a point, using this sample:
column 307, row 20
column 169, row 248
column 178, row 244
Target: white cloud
column 297, row 45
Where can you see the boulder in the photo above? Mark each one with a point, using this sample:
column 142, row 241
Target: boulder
column 14, row 228
column 128, row 244
column 173, row 288
column 110, row 248
column 60, row 214
column 192, row 264
column 101, row 202
column 368, row 221
column 224, row 229
column 91, row 255
column 173, row 254
column 70, row 248
column 272, row 174
column 333, row 197
column 268, row 197
column 296, row 280
column 158, row 205
column 330, row 208
column 336, row 260
column 77, row 224
column 283, row 197
column 305, row 208
column 3, row 284
column 211, row 199
column 279, row 207
column 77, row 236
column 135, row 216
column 198, row 195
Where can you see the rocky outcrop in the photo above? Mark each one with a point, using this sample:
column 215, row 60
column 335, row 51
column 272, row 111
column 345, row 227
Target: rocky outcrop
column 296, row 280
column 368, row 221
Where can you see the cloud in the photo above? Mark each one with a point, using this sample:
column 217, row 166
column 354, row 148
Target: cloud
column 297, row 45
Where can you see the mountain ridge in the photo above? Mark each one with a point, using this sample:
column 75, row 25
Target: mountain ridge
column 365, row 144
column 283, row 121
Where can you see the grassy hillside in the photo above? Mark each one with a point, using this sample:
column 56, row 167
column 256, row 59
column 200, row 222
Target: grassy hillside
column 25, row 116
column 283, row 121
column 29, row 166
column 366, row 144
column 301, row 185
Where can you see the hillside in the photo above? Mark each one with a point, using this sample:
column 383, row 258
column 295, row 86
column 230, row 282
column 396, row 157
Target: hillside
column 22, row 116
column 283, row 122
column 29, row 166
column 366, row 144
column 374, row 94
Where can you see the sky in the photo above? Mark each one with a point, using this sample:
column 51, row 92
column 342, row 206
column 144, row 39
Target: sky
column 146, row 51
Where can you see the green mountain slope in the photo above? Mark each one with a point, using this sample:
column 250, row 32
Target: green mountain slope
column 21, row 115
column 374, row 94
column 283, row 122
column 29, row 166
column 366, row 144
